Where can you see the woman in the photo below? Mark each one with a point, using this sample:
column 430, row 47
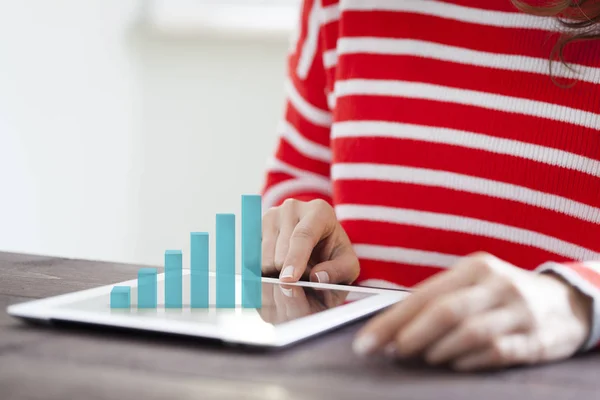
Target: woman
column 446, row 145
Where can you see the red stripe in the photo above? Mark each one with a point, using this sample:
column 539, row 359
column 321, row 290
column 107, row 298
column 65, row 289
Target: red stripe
column 545, row 132
column 329, row 35
column 582, row 95
column 291, row 156
column 527, row 42
column 311, row 92
column 477, row 163
column 404, row 275
column 331, row 74
column 312, row 132
column 275, row 178
column 496, row 5
column 446, row 242
column 415, row 197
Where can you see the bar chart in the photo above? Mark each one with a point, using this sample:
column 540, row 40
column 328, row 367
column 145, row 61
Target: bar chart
column 199, row 288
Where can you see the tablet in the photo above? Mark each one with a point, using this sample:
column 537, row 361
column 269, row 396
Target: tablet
column 289, row 312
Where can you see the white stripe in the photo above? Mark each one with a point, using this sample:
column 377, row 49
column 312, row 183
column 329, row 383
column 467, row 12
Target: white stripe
column 330, row 58
column 330, row 13
column 389, row 46
column 381, row 284
column 470, row 140
column 455, row 12
column 311, row 113
column 294, row 40
column 282, row 190
column 417, row 90
column 276, row 165
column 303, row 145
column 403, row 255
column 466, row 183
column 472, row 226
column 309, row 47
column 331, row 100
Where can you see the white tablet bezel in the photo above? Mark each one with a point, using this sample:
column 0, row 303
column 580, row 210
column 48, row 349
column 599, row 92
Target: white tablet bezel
column 238, row 331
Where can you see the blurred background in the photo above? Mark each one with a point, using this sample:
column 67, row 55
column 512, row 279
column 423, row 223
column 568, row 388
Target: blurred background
column 126, row 124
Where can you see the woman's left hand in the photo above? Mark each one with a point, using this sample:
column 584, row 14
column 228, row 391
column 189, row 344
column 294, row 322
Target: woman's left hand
column 483, row 313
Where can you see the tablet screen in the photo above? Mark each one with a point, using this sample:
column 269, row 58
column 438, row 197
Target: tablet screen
column 280, row 304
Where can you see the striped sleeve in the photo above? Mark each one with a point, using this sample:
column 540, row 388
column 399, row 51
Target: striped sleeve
column 585, row 277
column 300, row 168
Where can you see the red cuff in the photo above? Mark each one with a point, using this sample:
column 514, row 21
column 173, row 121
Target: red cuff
column 587, row 273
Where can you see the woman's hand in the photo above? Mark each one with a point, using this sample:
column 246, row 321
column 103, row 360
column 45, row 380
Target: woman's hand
column 483, row 313
column 303, row 239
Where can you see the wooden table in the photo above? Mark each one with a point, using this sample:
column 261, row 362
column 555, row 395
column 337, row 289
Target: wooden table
column 77, row 363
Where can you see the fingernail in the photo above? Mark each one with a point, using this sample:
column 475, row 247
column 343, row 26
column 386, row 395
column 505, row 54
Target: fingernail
column 287, row 291
column 287, row 272
column 322, row 277
column 364, row 345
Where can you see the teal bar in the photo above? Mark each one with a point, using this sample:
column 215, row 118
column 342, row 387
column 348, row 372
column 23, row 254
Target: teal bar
column 225, row 261
column 173, row 279
column 251, row 251
column 120, row 297
column 147, row 288
column 199, row 270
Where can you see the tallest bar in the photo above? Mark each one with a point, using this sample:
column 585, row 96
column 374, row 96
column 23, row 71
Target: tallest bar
column 251, row 251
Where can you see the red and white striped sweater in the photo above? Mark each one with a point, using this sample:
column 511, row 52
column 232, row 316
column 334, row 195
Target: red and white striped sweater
column 436, row 130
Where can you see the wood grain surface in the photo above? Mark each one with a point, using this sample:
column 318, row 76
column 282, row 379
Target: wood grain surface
column 41, row 362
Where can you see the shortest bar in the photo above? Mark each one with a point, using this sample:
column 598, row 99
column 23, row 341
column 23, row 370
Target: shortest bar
column 147, row 288
column 120, row 297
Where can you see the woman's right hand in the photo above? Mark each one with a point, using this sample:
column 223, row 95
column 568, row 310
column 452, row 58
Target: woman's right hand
column 305, row 240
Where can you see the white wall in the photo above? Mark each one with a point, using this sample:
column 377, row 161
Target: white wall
column 116, row 143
